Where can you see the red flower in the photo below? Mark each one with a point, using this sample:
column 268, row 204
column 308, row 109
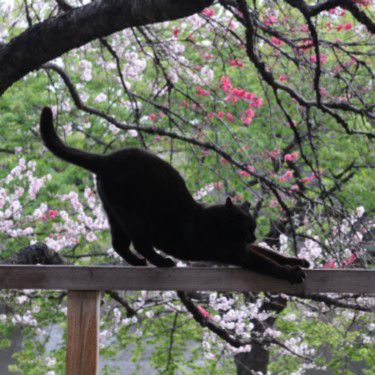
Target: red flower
column 275, row 153
column 153, row 117
column 286, row 176
column 202, row 92
column 309, row 179
column 276, row 41
column 226, row 84
column 230, row 117
column 271, row 20
column 236, row 63
column 330, row 264
column 257, row 102
column 52, row 214
column 204, row 312
column 323, row 58
column 244, row 174
column 208, row 12
column 291, row 157
column 176, row 32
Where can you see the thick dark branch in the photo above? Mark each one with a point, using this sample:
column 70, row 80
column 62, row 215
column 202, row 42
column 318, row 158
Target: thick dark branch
column 57, row 35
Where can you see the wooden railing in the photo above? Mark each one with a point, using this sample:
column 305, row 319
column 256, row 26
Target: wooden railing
column 85, row 283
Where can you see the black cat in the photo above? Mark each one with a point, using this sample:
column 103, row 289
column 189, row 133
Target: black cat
column 148, row 204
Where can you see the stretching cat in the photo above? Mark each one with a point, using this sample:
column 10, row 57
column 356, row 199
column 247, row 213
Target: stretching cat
column 148, row 204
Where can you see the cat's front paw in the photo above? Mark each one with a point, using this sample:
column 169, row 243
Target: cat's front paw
column 296, row 275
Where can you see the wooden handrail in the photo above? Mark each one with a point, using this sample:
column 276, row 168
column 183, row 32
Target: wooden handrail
column 85, row 283
column 187, row 279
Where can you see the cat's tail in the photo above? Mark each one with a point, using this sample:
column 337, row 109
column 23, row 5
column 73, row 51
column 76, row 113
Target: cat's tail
column 92, row 162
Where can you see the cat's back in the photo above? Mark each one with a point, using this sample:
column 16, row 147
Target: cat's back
column 143, row 175
column 138, row 161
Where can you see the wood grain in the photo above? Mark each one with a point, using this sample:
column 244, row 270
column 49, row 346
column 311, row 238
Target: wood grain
column 188, row 279
column 82, row 347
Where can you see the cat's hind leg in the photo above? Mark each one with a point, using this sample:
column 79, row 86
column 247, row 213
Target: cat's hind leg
column 147, row 250
column 121, row 243
column 291, row 261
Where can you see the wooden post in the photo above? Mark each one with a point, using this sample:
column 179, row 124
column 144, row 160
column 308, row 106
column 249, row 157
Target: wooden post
column 82, row 348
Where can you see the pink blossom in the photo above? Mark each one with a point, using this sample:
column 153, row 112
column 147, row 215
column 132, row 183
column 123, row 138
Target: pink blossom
column 323, row 58
column 246, row 120
column 275, row 153
column 342, row 13
column 239, row 92
column 153, row 117
column 273, row 203
column 364, row 3
column 204, row 312
column 283, row 78
column 286, row 176
column 244, row 174
column 257, row 102
column 291, row 157
column 237, row 63
column 323, row 91
column 53, row 214
column 276, row 41
column 350, row 260
column 202, row 92
column 330, row 264
column 249, row 96
column 232, row 98
column 226, row 84
column 309, row 179
column 218, row 186
column 250, row 113
column 230, row 117
column 176, row 32
column 208, row 12
column 271, row 20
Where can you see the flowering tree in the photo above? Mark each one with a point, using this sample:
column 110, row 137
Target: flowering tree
column 265, row 101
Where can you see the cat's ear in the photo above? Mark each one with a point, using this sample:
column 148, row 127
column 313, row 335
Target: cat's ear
column 229, row 203
column 246, row 206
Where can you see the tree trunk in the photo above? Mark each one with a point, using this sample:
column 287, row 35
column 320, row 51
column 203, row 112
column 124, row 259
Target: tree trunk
column 250, row 363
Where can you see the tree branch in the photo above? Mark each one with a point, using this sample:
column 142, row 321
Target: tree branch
column 75, row 28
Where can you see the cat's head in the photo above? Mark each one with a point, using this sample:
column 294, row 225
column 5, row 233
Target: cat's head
column 231, row 223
